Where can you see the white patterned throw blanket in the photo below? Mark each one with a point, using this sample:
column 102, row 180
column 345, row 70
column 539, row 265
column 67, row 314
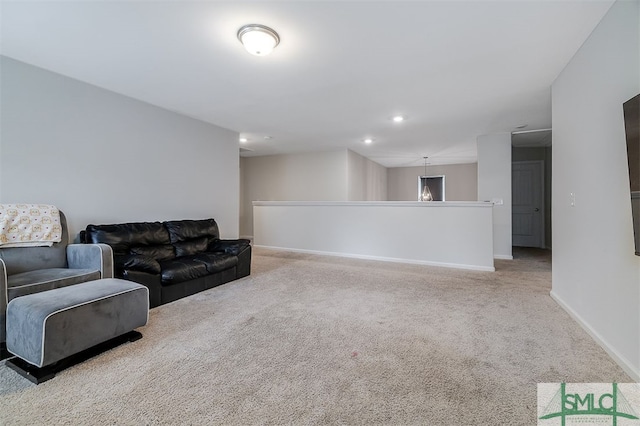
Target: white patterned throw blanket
column 29, row 225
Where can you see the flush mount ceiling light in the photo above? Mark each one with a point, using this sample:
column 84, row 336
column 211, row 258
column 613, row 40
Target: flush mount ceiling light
column 398, row 118
column 258, row 39
column 368, row 140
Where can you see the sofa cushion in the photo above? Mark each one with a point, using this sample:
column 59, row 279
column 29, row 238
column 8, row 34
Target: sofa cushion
column 121, row 237
column 159, row 253
column 216, row 262
column 184, row 230
column 189, row 247
column 181, row 269
column 136, row 262
column 47, row 279
column 234, row 247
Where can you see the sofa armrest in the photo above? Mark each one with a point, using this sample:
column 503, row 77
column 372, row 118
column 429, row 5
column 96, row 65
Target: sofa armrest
column 151, row 281
column 137, row 262
column 233, row 247
column 91, row 256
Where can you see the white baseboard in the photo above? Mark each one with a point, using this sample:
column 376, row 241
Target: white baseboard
column 502, row 257
column 619, row 359
column 383, row 259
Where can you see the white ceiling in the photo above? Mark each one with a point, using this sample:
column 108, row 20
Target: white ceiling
column 455, row 69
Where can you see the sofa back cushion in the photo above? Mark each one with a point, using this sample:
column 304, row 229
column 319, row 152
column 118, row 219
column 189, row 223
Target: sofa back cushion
column 185, row 230
column 159, row 253
column 193, row 246
column 122, row 237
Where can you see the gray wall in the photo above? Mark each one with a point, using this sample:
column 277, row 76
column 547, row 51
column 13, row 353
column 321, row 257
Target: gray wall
column 494, row 183
column 340, row 175
column 367, row 180
column 105, row 158
column 539, row 154
column 461, row 181
column 596, row 275
column 317, row 176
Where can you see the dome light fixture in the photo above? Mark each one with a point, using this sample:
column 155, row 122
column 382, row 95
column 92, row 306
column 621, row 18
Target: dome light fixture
column 258, row 39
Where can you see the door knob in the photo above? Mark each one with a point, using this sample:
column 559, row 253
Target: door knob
column 536, row 209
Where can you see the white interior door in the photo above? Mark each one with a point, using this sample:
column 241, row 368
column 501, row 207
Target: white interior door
column 527, row 183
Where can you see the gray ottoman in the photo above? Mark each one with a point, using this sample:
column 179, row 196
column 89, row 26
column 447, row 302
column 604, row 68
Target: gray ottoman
column 44, row 328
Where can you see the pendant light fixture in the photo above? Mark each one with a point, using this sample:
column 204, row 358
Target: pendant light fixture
column 425, row 195
column 258, row 39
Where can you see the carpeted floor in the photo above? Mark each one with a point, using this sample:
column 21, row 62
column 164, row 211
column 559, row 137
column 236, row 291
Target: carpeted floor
column 322, row 340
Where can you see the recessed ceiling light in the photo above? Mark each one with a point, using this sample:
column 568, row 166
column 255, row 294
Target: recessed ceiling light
column 368, row 140
column 243, row 140
column 258, row 39
column 398, row 118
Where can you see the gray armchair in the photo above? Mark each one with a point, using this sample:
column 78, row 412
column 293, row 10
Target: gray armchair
column 28, row 270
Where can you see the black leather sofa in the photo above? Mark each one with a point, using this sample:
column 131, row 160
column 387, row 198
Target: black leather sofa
column 173, row 259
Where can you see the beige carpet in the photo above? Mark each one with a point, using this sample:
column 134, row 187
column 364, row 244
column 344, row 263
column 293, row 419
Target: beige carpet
column 321, row 340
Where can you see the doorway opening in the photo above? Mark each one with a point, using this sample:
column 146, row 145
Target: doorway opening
column 531, row 189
